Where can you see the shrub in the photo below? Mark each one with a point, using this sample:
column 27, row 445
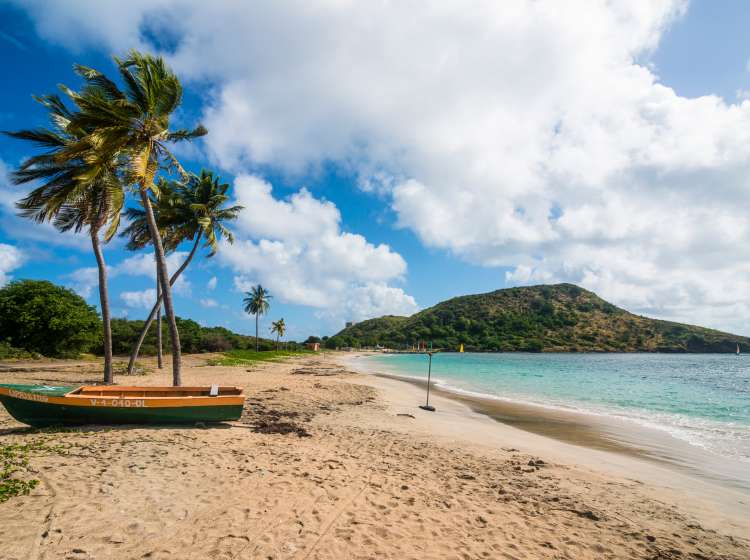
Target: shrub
column 8, row 352
column 38, row 316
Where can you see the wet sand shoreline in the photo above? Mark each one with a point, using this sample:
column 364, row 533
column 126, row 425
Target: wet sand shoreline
column 588, row 430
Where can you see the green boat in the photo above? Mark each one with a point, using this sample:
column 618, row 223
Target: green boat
column 45, row 405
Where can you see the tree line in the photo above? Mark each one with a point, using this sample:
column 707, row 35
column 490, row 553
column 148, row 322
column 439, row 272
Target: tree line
column 39, row 318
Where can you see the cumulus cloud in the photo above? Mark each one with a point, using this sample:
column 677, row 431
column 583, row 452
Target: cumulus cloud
column 143, row 264
column 532, row 135
column 20, row 229
column 373, row 299
column 297, row 249
column 209, row 302
column 143, row 299
column 85, row 280
column 10, row 259
column 211, row 284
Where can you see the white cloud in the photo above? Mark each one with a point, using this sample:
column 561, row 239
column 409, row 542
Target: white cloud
column 23, row 229
column 296, row 248
column 143, row 299
column 208, row 302
column 520, row 134
column 84, row 280
column 211, row 284
column 10, row 259
column 143, row 264
column 373, row 299
column 92, row 22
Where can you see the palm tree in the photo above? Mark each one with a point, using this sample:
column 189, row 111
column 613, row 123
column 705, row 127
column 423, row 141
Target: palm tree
column 159, row 344
column 278, row 327
column 77, row 193
column 195, row 211
column 134, row 126
column 139, row 238
column 257, row 303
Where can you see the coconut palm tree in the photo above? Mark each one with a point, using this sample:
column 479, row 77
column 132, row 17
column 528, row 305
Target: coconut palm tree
column 159, row 343
column 278, row 327
column 257, row 303
column 77, row 193
column 133, row 124
column 139, row 238
column 192, row 211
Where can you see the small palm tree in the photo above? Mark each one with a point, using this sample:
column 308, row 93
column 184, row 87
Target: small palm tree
column 192, row 211
column 77, row 192
column 133, row 125
column 278, row 327
column 257, row 303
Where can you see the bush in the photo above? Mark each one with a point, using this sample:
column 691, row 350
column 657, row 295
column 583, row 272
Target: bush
column 8, row 352
column 54, row 321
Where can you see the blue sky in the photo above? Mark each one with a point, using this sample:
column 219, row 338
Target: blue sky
column 392, row 157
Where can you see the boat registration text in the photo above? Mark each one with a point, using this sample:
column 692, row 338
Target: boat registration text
column 121, row 403
column 27, row 396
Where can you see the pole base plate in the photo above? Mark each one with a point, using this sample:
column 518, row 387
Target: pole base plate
column 427, row 407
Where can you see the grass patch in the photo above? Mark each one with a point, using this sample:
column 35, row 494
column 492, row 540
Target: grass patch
column 8, row 352
column 88, row 357
column 58, row 430
column 14, row 463
column 249, row 357
column 121, row 368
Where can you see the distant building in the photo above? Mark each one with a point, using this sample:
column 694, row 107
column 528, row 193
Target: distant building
column 349, row 324
column 314, row 346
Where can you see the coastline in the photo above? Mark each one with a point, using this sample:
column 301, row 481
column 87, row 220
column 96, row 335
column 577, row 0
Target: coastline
column 327, row 463
column 618, row 447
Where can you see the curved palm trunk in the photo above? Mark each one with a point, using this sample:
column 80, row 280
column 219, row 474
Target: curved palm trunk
column 159, row 355
column 157, row 306
column 256, row 332
column 104, row 301
column 161, row 261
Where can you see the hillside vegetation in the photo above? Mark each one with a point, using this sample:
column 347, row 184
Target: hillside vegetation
column 546, row 318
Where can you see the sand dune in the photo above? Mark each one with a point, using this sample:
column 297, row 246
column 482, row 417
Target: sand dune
column 323, row 466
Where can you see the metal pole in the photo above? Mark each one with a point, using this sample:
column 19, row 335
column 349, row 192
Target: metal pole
column 427, row 405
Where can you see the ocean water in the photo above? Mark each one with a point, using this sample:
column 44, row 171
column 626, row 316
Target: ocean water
column 701, row 399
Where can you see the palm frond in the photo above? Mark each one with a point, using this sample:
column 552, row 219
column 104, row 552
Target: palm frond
column 184, row 134
column 42, row 137
column 99, row 80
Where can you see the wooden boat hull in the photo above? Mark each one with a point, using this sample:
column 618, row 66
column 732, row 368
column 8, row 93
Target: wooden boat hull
column 41, row 406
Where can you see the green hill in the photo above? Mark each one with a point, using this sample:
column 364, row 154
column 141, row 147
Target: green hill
column 546, row 318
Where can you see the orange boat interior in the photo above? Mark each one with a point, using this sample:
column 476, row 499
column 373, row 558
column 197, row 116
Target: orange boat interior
column 114, row 392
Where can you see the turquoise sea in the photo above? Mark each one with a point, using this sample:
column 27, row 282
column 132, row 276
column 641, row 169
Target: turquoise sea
column 702, row 399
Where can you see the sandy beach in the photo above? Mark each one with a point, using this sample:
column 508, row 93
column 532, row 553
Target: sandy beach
column 328, row 463
column 583, row 429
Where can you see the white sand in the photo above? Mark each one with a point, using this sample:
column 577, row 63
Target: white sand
column 367, row 483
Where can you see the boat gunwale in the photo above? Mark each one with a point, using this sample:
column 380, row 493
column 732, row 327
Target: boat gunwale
column 77, row 392
column 115, row 400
